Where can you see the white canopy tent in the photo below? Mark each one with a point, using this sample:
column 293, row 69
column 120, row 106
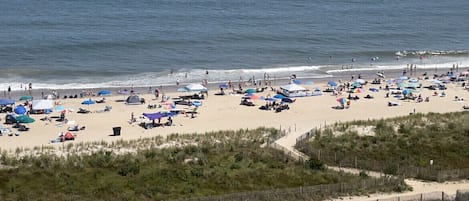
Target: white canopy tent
column 293, row 88
column 43, row 104
column 193, row 88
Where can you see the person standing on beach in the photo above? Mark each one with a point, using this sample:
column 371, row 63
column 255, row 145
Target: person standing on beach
column 177, row 82
column 9, row 92
column 30, row 88
column 157, row 93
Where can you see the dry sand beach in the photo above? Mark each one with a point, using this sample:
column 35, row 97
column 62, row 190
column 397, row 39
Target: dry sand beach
column 224, row 113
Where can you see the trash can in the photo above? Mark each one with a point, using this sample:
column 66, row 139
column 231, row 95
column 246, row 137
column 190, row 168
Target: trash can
column 116, row 131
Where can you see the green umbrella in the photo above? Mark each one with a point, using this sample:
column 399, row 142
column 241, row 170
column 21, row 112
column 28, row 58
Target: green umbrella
column 24, row 119
column 250, row 91
column 26, row 98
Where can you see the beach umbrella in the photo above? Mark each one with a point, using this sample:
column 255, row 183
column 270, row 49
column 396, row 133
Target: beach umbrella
column 104, row 92
column 356, row 84
column 297, row 81
column 59, row 108
column 24, row 119
column 4, row 101
column 332, row 83
column 250, row 91
column 357, row 90
column 270, row 99
column 413, row 85
column 88, row 102
column 20, row 109
column 406, row 92
column 279, row 96
column 254, row 97
column 196, row 103
column 342, row 100
column 23, row 98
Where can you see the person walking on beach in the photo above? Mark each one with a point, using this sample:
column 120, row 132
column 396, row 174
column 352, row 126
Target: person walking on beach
column 132, row 118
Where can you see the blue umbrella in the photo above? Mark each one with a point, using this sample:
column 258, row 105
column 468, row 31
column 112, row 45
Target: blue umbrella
column 59, row 108
column 88, row 102
column 406, row 92
column 297, row 81
column 104, row 92
column 4, row 101
column 270, row 99
column 332, row 83
column 20, row 109
column 279, row 96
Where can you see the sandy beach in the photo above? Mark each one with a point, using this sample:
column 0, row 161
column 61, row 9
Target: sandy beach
column 224, row 113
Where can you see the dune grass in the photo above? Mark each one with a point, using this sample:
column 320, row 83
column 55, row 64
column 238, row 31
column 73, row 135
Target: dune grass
column 396, row 143
column 211, row 164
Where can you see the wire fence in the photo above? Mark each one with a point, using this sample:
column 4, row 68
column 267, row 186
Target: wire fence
column 318, row 192
column 432, row 196
column 461, row 195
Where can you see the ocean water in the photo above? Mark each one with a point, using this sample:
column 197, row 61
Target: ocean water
column 86, row 43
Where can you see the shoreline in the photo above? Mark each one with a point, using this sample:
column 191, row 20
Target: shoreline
column 213, row 86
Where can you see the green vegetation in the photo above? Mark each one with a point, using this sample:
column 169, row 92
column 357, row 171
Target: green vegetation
column 196, row 165
column 403, row 145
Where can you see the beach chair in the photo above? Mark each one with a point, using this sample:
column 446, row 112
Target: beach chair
column 4, row 131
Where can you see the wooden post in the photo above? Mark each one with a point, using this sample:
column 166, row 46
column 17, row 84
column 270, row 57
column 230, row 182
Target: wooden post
column 355, row 162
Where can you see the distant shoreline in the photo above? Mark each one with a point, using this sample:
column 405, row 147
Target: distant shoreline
column 213, row 86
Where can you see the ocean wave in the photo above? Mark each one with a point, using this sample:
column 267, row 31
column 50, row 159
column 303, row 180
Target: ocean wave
column 406, row 53
column 145, row 79
column 387, row 66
